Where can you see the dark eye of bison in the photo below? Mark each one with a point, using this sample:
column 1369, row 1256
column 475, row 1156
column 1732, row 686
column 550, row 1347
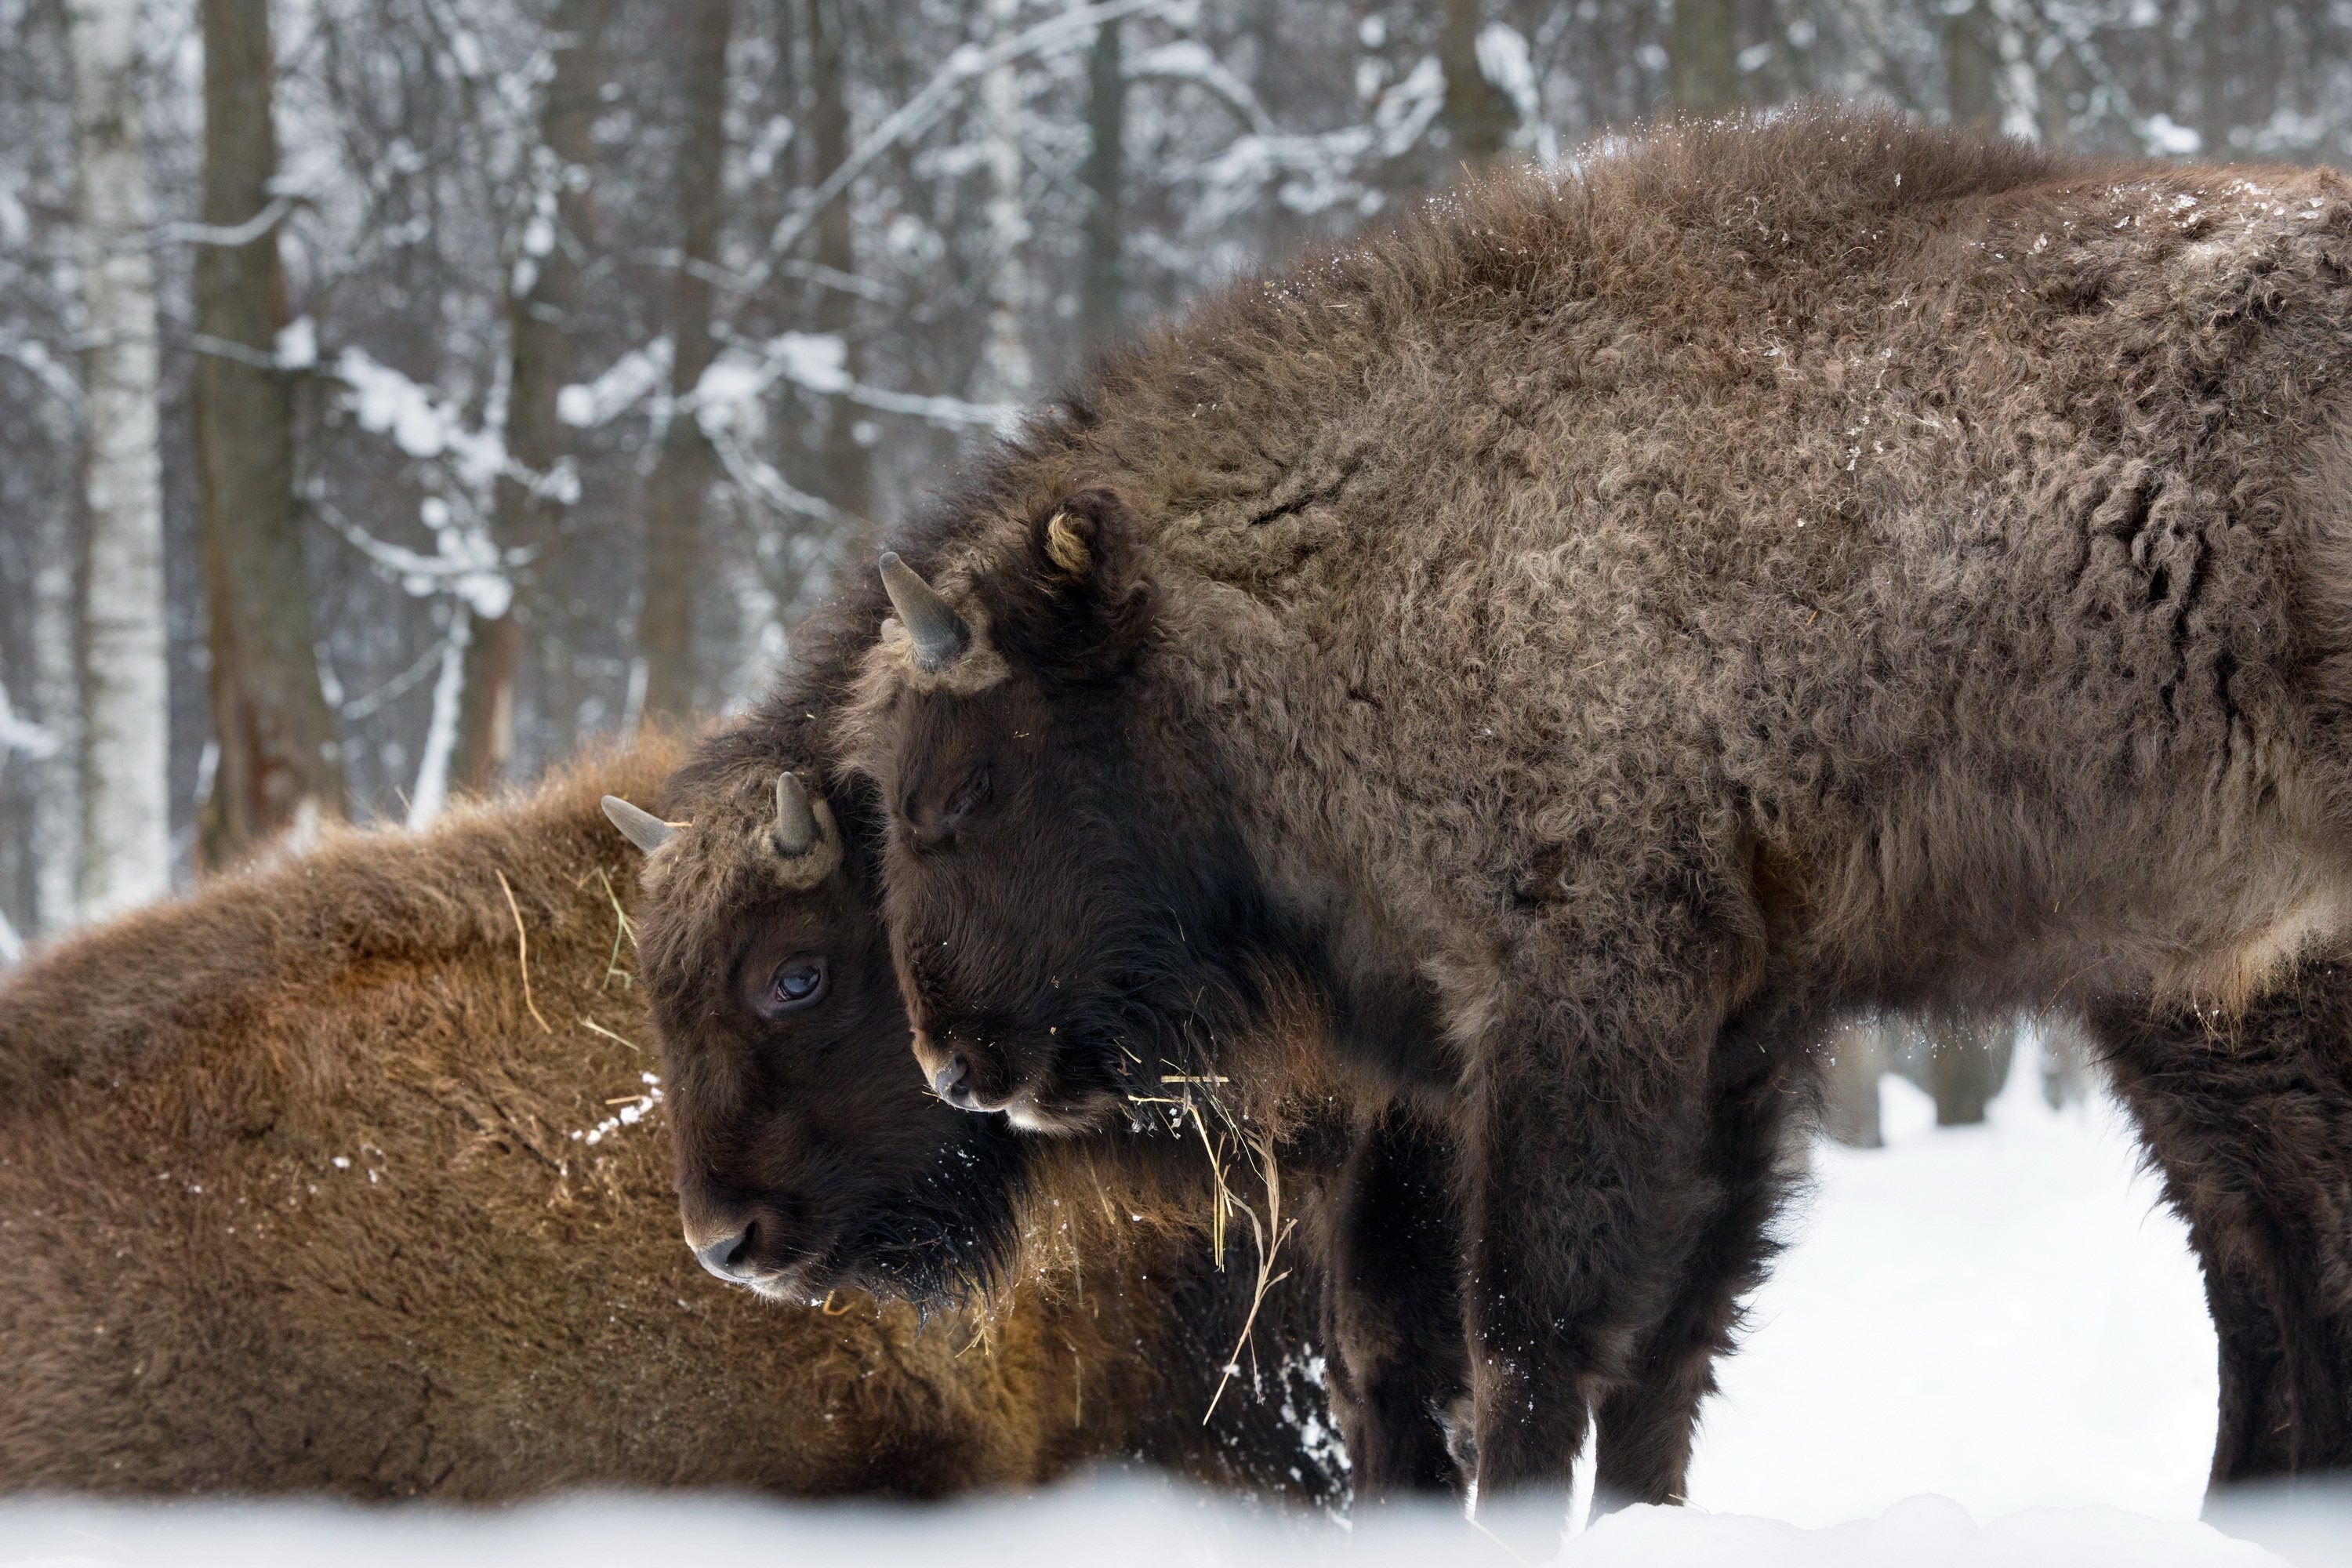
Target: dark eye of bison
column 969, row 796
column 797, row 983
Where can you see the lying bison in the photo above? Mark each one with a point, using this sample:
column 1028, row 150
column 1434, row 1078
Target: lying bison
column 349, row 1177
column 1627, row 618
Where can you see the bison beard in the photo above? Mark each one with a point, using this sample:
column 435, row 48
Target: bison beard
column 1633, row 618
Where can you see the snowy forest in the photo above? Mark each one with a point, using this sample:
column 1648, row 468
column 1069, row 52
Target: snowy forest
column 396, row 393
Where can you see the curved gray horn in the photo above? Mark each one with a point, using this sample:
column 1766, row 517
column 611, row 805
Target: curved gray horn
column 642, row 828
column 938, row 632
column 796, row 828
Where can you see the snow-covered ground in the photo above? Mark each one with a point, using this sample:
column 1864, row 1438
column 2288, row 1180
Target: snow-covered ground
column 1985, row 1348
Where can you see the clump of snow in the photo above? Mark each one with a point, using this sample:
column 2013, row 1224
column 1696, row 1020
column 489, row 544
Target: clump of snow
column 297, row 346
column 629, row 1115
column 634, row 376
column 2166, row 134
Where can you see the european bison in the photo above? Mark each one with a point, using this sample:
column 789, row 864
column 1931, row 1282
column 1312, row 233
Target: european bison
column 349, row 1175
column 1631, row 617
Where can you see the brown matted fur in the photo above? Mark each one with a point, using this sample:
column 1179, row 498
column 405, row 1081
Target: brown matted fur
column 297, row 1193
column 1637, row 614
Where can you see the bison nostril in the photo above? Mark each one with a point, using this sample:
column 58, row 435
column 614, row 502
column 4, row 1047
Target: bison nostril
column 730, row 1256
column 952, row 1083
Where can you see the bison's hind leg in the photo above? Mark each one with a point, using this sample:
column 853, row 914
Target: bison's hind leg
column 2249, row 1118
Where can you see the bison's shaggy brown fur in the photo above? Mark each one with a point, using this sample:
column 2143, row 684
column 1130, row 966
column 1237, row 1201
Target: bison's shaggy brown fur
column 1632, row 618
column 318, row 1181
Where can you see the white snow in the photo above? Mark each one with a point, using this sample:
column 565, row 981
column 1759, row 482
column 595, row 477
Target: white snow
column 1986, row 1348
column 2006, row 1315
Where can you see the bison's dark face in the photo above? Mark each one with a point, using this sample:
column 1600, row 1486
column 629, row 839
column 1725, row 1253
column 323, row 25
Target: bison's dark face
column 1073, row 919
column 808, row 1156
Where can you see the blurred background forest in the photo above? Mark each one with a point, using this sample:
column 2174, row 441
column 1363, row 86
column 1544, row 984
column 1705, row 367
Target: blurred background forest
column 395, row 393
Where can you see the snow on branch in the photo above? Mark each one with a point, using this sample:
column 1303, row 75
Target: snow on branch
column 820, row 362
column 917, row 114
column 466, row 563
column 1189, row 59
column 421, row 422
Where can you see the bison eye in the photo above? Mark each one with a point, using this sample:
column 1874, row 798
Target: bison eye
column 970, row 795
column 797, row 982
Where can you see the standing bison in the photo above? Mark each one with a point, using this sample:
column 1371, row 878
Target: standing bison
column 1627, row 619
column 350, row 1175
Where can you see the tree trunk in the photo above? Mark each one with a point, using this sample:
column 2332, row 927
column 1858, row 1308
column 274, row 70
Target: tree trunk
column 1857, row 1056
column 56, row 705
column 543, row 299
column 846, row 467
column 1479, row 116
column 1968, row 1062
column 1101, row 296
column 1005, row 373
column 126, row 713
column 278, row 761
column 1703, row 58
column 1971, row 69
column 680, row 481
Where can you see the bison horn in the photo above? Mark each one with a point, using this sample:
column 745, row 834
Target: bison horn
column 796, row 826
column 642, row 828
column 938, row 632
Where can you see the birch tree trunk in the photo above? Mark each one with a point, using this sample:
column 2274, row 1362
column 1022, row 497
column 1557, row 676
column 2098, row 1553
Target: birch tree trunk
column 680, row 481
column 279, row 760
column 126, row 717
column 1005, row 373
column 542, row 298
column 57, row 705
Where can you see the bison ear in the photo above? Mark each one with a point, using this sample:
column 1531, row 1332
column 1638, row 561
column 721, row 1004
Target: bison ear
column 1075, row 538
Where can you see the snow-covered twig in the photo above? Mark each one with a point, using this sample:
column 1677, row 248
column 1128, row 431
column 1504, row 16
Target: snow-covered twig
column 1189, row 59
column 466, row 562
column 762, row 481
column 432, row 791
column 392, row 691
column 912, row 117
column 18, row 734
column 232, row 235
column 36, row 362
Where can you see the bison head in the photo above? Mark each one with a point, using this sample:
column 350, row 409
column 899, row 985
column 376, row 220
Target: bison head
column 808, row 1157
column 1076, row 923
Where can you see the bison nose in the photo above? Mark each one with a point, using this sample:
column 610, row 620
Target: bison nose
column 952, row 1083
column 729, row 1256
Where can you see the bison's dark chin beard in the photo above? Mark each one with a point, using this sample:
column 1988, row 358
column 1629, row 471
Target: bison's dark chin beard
column 941, row 1239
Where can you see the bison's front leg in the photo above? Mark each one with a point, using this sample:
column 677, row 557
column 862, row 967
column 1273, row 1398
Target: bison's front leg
column 1393, row 1312
column 1585, row 1132
column 1763, row 1084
